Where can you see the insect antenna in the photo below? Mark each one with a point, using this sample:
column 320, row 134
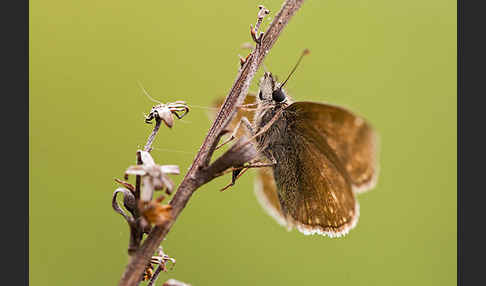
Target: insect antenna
column 305, row 52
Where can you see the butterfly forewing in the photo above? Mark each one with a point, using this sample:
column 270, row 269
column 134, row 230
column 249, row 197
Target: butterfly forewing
column 324, row 153
column 352, row 138
column 314, row 190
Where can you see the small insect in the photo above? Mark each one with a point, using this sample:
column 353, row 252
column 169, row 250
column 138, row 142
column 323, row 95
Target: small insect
column 320, row 157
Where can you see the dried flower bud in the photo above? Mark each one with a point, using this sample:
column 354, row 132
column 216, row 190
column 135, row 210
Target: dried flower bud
column 154, row 212
column 148, row 273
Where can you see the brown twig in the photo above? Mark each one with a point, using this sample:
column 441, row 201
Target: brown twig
column 148, row 148
column 198, row 173
column 162, row 261
column 155, row 275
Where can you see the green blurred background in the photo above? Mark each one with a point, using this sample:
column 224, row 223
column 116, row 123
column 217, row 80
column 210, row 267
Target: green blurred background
column 392, row 62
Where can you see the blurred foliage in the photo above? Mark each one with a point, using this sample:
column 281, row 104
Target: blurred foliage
column 392, row 62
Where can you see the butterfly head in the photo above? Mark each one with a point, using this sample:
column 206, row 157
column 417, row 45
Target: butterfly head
column 270, row 90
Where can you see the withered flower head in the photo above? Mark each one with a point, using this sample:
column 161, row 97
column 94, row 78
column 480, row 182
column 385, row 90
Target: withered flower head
column 154, row 177
column 154, row 212
column 164, row 112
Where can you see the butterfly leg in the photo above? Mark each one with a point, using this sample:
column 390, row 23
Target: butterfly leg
column 263, row 129
column 249, row 106
column 256, row 164
column 235, row 175
column 238, row 172
column 248, row 129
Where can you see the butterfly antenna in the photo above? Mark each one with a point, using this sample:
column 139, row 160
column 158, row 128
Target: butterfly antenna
column 146, row 93
column 305, row 52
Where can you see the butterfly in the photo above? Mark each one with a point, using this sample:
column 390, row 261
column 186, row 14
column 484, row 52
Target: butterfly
column 320, row 156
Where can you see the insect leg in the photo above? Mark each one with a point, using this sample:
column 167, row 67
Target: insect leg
column 249, row 106
column 238, row 172
column 248, row 129
column 263, row 129
column 255, row 165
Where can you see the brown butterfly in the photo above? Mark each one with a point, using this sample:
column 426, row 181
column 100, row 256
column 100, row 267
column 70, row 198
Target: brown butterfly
column 320, row 156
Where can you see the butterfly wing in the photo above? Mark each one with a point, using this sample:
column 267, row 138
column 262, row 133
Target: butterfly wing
column 314, row 190
column 323, row 152
column 241, row 112
column 266, row 193
column 332, row 140
column 351, row 138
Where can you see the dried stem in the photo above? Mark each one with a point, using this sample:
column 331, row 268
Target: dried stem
column 138, row 179
column 155, row 275
column 151, row 138
column 198, row 174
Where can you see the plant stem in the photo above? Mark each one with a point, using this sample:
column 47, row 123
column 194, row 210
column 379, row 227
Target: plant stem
column 196, row 176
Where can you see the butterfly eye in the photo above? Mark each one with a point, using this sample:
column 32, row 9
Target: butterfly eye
column 260, row 95
column 278, row 95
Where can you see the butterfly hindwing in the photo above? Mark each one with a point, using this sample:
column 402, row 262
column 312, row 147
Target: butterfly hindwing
column 241, row 112
column 266, row 193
